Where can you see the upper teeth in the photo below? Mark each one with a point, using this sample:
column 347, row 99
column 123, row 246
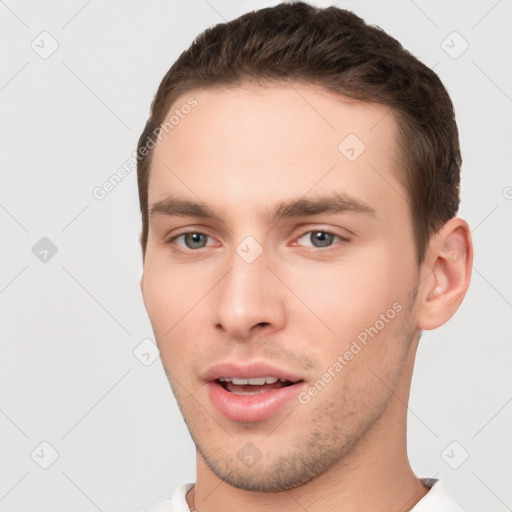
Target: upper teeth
column 257, row 381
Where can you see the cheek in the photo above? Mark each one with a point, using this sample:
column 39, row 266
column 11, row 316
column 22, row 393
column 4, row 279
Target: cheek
column 168, row 295
column 350, row 294
column 176, row 302
column 361, row 299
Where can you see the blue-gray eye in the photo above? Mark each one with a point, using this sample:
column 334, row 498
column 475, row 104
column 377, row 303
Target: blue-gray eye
column 321, row 238
column 318, row 238
column 195, row 240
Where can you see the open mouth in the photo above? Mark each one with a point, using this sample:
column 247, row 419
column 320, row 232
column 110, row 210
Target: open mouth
column 252, row 386
column 251, row 391
column 245, row 399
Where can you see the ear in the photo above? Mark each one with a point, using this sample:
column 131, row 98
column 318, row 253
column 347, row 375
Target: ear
column 446, row 274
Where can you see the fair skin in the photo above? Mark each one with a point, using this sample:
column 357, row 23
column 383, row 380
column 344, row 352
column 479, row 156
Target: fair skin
column 243, row 152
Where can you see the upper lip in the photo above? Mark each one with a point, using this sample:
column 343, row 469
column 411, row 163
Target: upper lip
column 248, row 371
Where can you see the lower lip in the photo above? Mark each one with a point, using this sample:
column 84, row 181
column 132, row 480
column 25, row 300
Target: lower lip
column 257, row 407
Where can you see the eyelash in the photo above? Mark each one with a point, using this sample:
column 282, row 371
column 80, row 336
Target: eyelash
column 191, row 252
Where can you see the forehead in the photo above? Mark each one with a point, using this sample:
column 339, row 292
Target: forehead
column 248, row 145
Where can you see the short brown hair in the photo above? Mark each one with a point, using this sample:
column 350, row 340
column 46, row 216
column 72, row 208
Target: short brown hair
column 333, row 48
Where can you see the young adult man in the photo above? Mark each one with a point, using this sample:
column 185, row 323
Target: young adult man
column 299, row 183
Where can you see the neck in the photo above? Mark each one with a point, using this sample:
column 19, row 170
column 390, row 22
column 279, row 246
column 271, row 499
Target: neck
column 375, row 475
column 369, row 485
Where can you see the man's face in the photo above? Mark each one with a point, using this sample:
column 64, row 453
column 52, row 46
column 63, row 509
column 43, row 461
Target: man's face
column 306, row 291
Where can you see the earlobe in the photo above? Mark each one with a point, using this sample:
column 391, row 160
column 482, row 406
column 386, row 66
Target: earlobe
column 448, row 265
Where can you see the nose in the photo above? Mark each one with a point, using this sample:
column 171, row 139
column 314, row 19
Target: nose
column 249, row 299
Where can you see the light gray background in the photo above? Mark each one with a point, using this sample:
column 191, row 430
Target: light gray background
column 69, row 327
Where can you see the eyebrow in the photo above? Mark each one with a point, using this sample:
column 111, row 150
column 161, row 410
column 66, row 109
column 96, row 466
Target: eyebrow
column 302, row 207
